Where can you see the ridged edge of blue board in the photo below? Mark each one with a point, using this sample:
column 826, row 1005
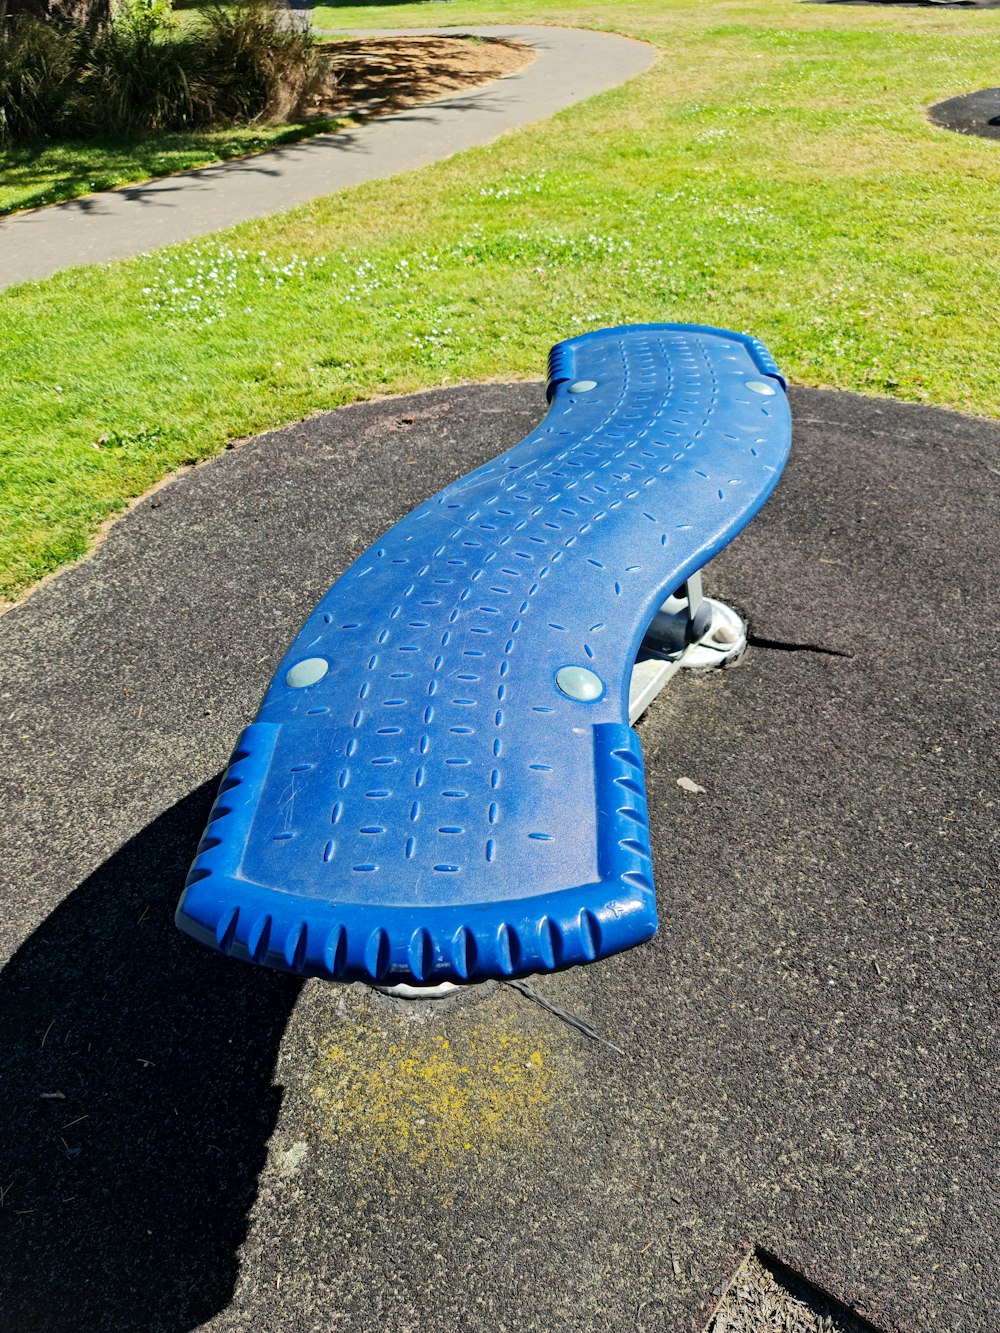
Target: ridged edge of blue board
column 246, row 921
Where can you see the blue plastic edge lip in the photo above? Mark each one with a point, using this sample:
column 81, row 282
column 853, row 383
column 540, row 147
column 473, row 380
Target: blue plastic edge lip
column 759, row 354
column 498, row 938
column 468, row 942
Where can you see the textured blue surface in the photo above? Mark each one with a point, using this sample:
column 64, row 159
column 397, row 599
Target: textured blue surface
column 433, row 807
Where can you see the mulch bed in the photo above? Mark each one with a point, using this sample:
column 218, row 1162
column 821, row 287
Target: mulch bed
column 377, row 76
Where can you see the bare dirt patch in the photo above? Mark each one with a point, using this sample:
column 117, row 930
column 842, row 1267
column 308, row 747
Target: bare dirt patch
column 376, row 76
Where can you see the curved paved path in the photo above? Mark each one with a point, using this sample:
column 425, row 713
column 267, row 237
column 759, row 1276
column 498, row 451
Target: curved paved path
column 570, row 66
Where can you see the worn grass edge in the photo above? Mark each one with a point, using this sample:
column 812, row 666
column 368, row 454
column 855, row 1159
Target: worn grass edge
column 107, row 525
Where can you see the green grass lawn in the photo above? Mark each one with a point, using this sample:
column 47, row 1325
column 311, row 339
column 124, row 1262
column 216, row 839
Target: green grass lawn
column 37, row 174
column 773, row 172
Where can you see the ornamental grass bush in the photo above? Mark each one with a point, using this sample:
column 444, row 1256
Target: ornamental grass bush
column 136, row 76
column 255, row 69
column 39, row 68
column 136, row 79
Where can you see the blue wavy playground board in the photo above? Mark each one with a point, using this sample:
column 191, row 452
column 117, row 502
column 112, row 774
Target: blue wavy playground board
column 417, row 800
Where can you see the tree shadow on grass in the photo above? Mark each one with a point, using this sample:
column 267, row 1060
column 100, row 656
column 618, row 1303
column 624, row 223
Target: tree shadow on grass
column 60, row 171
column 136, row 1101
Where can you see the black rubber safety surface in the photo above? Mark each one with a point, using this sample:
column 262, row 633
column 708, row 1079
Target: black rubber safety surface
column 803, row 1048
column 912, row 4
column 972, row 113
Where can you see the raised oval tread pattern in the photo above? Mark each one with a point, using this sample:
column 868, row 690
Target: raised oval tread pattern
column 432, row 807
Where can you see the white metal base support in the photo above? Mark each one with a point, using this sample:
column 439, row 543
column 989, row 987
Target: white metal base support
column 689, row 630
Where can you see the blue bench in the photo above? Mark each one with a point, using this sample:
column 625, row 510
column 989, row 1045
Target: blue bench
column 441, row 783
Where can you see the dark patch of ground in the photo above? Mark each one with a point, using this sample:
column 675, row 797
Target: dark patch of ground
column 972, row 113
column 914, row 4
column 807, row 1040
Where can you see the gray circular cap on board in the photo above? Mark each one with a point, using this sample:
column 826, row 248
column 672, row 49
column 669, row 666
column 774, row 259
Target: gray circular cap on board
column 578, row 683
column 307, row 672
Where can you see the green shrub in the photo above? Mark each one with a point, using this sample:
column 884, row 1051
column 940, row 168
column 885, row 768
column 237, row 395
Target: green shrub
column 150, row 13
column 39, row 66
column 134, row 82
column 135, row 76
column 256, row 70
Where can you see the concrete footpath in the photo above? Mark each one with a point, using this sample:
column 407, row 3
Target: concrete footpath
column 570, row 65
column 187, row 1141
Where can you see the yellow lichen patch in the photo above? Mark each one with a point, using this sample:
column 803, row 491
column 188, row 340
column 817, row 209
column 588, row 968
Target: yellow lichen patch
column 428, row 1100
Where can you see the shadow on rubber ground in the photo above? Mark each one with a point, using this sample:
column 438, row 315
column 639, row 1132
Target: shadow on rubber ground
column 136, row 1100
